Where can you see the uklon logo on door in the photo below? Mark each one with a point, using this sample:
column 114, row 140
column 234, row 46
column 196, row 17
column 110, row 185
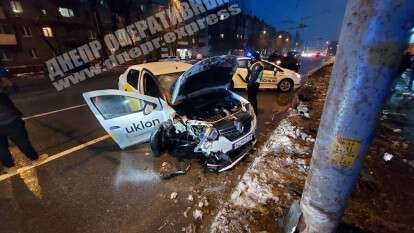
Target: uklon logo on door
column 140, row 126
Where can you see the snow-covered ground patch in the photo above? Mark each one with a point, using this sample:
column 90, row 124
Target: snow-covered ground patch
column 271, row 178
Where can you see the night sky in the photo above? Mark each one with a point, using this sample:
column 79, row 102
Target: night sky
column 324, row 17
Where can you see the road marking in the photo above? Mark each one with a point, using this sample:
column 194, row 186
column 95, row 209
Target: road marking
column 53, row 112
column 54, row 157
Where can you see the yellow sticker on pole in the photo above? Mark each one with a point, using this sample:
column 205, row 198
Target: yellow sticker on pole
column 344, row 151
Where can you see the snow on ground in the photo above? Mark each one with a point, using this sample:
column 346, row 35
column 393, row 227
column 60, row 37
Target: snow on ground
column 275, row 178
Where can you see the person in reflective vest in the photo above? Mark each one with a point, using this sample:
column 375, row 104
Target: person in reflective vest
column 254, row 78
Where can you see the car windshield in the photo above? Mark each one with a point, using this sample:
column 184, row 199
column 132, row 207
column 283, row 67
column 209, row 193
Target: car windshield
column 167, row 83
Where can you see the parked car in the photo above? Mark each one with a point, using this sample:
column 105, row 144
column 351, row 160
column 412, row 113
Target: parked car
column 179, row 108
column 274, row 76
column 291, row 62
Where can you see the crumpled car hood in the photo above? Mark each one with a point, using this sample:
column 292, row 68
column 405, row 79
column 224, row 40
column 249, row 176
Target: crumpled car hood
column 208, row 75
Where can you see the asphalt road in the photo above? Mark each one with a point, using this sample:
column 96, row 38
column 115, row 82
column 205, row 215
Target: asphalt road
column 90, row 185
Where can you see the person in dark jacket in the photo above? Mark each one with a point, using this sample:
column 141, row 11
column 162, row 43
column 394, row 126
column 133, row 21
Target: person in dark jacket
column 12, row 127
column 254, row 77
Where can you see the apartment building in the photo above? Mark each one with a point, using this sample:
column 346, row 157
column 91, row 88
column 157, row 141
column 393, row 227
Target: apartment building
column 32, row 32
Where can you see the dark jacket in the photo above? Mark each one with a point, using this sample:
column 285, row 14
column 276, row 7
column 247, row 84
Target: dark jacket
column 8, row 111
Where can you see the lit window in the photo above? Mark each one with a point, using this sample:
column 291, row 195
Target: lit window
column 66, row 12
column 221, row 35
column 222, row 17
column 33, row 53
column 27, row 32
column 47, row 32
column 43, row 11
column 16, row 7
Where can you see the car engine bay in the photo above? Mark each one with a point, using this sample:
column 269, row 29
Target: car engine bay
column 217, row 106
column 197, row 124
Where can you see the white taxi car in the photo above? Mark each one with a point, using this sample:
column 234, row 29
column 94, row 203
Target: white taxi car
column 179, row 107
column 274, row 76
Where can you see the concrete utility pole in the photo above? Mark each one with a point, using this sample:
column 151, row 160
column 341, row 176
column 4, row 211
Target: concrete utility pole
column 373, row 37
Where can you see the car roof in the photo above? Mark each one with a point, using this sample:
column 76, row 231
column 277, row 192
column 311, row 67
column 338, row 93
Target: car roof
column 165, row 67
column 248, row 58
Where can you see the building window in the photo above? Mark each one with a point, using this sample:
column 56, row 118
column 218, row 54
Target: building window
column 2, row 29
column 27, row 32
column 34, row 54
column 4, row 55
column 221, row 35
column 43, row 11
column 16, row 7
column 66, row 12
column 47, row 32
column 5, row 29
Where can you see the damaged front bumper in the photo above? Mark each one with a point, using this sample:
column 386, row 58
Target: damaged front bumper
column 234, row 141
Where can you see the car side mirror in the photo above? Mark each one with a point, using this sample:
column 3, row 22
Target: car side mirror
column 148, row 109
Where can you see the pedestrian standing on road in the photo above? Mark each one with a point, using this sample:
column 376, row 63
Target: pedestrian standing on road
column 254, row 77
column 12, row 127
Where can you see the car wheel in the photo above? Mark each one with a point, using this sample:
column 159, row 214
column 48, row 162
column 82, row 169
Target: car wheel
column 285, row 85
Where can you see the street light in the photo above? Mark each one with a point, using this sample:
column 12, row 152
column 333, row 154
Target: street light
column 280, row 36
column 264, row 32
column 287, row 39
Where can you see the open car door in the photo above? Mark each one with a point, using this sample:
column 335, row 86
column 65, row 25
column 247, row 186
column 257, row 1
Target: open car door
column 128, row 117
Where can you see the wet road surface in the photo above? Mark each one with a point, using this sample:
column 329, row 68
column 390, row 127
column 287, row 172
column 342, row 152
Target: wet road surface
column 98, row 187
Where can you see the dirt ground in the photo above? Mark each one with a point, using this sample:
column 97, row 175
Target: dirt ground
column 383, row 199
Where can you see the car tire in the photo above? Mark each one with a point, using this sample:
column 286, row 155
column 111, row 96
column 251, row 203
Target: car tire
column 286, row 85
column 157, row 142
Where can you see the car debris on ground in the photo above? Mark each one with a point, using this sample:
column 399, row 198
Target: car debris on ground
column 168, row 170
